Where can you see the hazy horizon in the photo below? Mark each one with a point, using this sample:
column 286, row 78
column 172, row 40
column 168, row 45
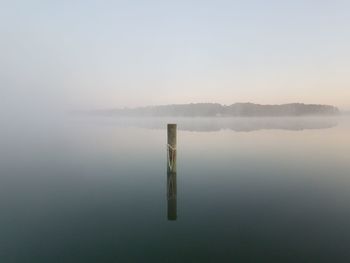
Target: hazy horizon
column 86, row 55
column 222, row 104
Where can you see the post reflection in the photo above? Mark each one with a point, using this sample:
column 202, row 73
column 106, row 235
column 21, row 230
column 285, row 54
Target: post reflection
column 171, row 196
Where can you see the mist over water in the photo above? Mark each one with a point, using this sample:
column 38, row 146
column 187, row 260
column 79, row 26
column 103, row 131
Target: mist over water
column 90, row 187
column 206, row 124
column 87, row 189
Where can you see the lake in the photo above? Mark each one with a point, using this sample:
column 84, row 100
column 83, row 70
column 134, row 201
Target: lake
column 94, row 189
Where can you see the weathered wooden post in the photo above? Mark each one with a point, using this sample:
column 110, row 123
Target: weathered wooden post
column 171, row 148
column 171, row 173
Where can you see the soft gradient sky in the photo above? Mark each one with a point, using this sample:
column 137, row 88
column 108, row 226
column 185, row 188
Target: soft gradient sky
column 100, row 54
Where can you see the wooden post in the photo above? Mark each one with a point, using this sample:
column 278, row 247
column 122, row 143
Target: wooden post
column 171, row 173
column 171, row 148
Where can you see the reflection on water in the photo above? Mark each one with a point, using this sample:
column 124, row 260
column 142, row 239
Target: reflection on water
column 172, row 196
column 234, row 124
column 101, row 193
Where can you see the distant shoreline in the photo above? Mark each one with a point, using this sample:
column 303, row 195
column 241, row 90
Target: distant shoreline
column 218, row 110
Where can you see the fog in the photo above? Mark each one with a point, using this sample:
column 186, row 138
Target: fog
column 84, row 55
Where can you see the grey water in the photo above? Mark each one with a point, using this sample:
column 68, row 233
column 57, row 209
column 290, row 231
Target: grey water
column 94, row 189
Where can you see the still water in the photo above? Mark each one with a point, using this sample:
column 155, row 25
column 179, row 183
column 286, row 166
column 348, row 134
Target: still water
column 94, row 189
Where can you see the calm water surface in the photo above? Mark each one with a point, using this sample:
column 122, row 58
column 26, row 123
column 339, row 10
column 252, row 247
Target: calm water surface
column 256, row 190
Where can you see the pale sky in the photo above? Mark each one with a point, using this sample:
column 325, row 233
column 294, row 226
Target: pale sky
column 101, row 54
